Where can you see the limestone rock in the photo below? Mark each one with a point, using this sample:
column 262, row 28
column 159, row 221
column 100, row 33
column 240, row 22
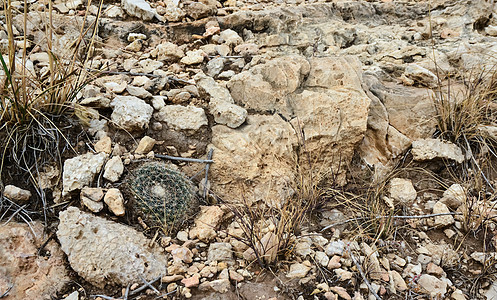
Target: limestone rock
column 267, row 249
column 432, row 286
column 115, row 201
column 230, row 37
column 198, row 10
column 206, row 223
column 221, row 104
column 428, row 149
column 104, row 145
column 92, row 198
column 131, row 113
column 81, row 170
column 454, row 196
column 114, row 168
column 402, row 190
column 16, row 194
column 441, row 208
column 421, row 75
column 382, row 141
column 32, row 276
column 180, row 117
column 193, row 57
column 257, row 156
column 145, row 145
column 104, row 252
column 138, row 8
column 298, row 271
column 335, row 248
column 167, row 51
column 220, row 252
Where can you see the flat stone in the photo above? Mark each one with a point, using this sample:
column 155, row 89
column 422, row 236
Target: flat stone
column 429, row 149
column 180, row 117
column 104, row 252
column 298, row 271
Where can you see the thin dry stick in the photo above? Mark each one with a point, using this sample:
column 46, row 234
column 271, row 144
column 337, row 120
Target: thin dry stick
column 393, row 217
column 143, row 287
column 148, row 284
column 204, row 161
column 366, row 281
column 7, row 291
column 209, row 157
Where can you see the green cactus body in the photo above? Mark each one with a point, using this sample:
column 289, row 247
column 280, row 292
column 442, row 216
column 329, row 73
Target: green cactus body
column 164, row 196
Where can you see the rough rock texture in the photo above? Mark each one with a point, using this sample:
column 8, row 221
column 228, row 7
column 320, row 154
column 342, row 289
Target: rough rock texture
column 139, row 8
column 221, row 104
column 429, row 149
column 398, row 115
column 329, row 106
column 131, row 113
column 104, row 252
column 81, row 170
column 182, row 117
column 33, row 276
column 114, row 168
column 402, row 190
column 257, row 156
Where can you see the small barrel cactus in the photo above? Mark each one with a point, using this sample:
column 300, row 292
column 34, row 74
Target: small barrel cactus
column 163, row 196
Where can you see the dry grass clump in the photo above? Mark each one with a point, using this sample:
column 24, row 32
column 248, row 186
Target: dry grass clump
column 467, row 116
column 35, row 103
column 270, row 231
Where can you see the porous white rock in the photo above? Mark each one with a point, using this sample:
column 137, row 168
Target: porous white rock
column 428, row 149
column 81, row 170
column 131, row 113
column 138, row 8
column 220, row 252
column 221, row 104
column 193, row 57
column 104, row 252
column 114, row 168
column 115, row 201
column 181, row 117
column 167, row 51
column 402, row 190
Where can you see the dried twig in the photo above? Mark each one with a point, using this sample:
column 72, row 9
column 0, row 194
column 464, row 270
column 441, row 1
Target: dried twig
column 393, row 217
column 204, row 161
column 366, row 281
column 209, row 157
column 7, row 291
column 146, row 285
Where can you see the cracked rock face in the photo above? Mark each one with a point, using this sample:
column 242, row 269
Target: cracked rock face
column 104, row 252
column 31, row 275
column 320, row 97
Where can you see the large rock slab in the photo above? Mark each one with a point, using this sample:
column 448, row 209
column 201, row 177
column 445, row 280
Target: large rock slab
column 104, row 252
column 253, row 161
column 317, row 102
column 31, row 274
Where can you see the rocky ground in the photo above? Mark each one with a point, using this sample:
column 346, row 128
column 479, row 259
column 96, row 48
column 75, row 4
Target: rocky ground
column 288, row 98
